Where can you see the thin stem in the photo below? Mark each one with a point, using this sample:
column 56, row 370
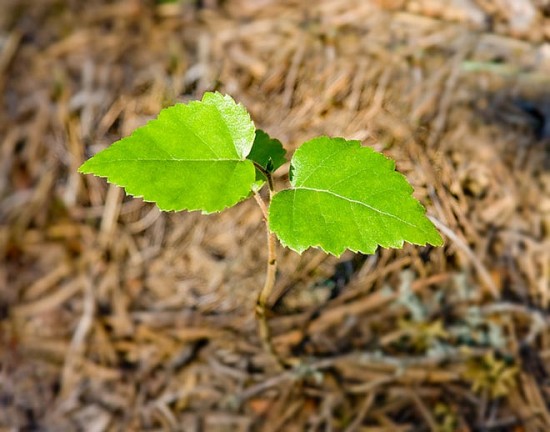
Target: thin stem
column 261, row 204
column 266, row 174
column 262, row 303
column 262, row 306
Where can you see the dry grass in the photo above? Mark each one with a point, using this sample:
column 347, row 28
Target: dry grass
column 114, row 316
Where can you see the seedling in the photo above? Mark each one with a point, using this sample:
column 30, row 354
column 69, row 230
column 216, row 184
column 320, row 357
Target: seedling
column 207, row 155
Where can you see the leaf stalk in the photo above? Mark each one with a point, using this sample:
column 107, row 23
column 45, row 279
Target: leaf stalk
column 266, row 174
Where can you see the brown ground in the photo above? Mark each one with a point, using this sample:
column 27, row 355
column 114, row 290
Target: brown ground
column 114, row 317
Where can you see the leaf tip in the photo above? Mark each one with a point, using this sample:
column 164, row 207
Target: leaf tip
column 438, row 240
column 85, row 168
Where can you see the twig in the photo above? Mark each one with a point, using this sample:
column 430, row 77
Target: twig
column 292, row 75
column 482, row 271
column 539, row 320
column 76, row 351
column 424, row 411
column 396, row 370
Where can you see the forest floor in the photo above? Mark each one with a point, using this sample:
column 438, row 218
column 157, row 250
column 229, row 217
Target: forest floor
column 117, row 317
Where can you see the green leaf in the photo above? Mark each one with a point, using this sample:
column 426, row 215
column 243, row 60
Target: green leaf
column 267, row 152
column 191, row 157
column 345, row 196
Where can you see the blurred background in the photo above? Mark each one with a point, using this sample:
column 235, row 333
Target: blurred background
column 117, row 317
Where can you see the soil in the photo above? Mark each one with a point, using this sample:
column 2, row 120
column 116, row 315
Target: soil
column 117, row 317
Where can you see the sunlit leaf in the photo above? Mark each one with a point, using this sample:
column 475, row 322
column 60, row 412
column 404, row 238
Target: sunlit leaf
column 191, row 157
column 345, row 196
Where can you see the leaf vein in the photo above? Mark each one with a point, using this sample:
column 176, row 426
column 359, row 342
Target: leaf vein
column 359, row 203
column 190, row 129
